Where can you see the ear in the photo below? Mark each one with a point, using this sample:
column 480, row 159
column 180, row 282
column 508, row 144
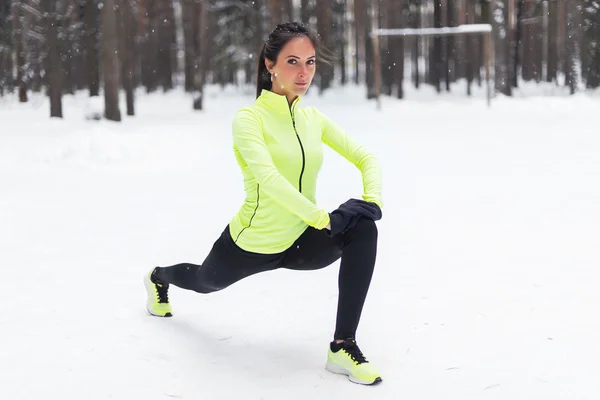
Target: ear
column 269, row 64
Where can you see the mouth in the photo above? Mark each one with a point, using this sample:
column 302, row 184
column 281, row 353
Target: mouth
column 302, row 83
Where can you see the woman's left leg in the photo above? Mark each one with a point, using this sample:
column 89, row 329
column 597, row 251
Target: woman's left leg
column 357, row 248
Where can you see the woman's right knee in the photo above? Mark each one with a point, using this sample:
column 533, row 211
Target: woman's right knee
column 207, row 284
column 212, row 279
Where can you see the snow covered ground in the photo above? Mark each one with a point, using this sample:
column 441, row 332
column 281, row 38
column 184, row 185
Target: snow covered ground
column 486, row 285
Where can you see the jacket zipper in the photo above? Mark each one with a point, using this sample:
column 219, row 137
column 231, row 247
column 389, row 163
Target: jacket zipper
column 301, row 148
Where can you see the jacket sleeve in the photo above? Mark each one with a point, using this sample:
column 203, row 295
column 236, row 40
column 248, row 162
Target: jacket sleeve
column 249, row 141
column 337, row 138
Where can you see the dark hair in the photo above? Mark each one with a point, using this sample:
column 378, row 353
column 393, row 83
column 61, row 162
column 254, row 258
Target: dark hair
column 278, row 38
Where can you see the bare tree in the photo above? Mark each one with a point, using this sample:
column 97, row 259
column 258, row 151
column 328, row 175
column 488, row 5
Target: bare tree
column 437, row 63
column 591, row 26
column 305, row 11
column 502, row 49
column 275, row 12
column 339, row 15
column 165, row 25
column 386, row 43
column 149, row 9
column 573, row 54
column 451, row 44
column 19, row 45
column 396, row 20
column 201, row 51
column 188, row 17
column 370, row 53
column 92, row 44
column 110, row 61
column 127, row 28
column 552, row 67
column 360, row 31
column 415, row 8
column 288, row 10
column 54, row 63
column 5, row 47
column 324, row 28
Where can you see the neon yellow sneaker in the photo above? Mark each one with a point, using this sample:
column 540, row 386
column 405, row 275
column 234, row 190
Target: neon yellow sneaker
column 346, row 358
column 158, row 297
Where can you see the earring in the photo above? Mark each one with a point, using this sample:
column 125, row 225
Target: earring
column 271, row 77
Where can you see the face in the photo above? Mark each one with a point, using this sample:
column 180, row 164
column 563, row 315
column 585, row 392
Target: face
column 294, row 68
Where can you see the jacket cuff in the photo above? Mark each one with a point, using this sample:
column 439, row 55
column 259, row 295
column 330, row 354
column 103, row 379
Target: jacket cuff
column 323, row 220
column 374, row 199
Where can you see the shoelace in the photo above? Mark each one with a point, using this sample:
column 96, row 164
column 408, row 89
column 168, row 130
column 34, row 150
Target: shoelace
column 163, row 294
column 352, row 349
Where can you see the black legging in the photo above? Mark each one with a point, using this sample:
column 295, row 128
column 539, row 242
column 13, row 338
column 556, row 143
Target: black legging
column 314, row 249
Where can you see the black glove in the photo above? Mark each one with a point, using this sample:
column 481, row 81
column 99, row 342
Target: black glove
column 347, row 215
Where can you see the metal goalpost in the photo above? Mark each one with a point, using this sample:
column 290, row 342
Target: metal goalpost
column 468, row 29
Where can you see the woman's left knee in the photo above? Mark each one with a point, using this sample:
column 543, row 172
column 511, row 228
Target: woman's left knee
column 367, row 227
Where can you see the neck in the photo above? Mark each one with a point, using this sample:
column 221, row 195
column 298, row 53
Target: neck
column 290, row 97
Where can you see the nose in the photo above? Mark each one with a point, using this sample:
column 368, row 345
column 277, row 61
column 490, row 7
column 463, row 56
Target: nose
column 303, row 72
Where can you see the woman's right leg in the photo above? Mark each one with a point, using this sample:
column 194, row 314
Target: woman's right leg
column 225, row 264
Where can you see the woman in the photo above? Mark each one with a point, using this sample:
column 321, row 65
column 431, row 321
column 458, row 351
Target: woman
column 278, row 147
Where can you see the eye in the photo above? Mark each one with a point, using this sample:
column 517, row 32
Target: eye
column 311, row 62
column 292, row 61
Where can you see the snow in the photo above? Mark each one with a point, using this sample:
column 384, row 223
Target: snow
column 486, row 285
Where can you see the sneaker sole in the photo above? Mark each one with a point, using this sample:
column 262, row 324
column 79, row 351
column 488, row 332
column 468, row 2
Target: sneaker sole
column 149, row 290
column 343, row 371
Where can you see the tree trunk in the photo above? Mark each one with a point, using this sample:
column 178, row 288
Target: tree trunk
column 260, row 36
column 90, row 23
column 305, row 11
column 54, row 66
column 397, row 21
column 127, row 27
column 288, row 10
column 110, row 61
column 437, row 56
column 150, row 58
column 561, row 38
column 518, row 59
column 80, row 78
column 203, row 32
column 5, row 47
column 341, row 7
column 592, row 49
column 369, row 50
column 552, row 68
column 385, row 20
column 449, row 46
column 471, row 46
column 188, row 13
column 19, row 44
column 67, row 19
column 573, row 54
column 416, row 53
column 360, row 29
column 502, row 48
column 460, row 14
column 275, row 13
column 484, row 18
column 165, row 24
column 324, row 28
column 512, row 32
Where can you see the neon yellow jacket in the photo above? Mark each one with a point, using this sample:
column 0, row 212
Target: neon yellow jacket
column 279, row 150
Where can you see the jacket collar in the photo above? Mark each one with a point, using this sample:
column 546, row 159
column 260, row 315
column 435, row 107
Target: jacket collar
column 276, row 102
